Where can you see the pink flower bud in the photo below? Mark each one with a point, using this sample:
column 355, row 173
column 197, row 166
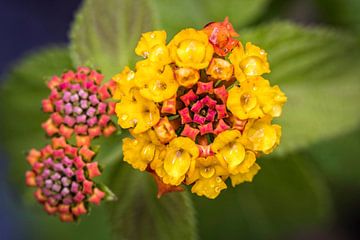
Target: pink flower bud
column 189, row 97
column 206, row 128
column 86, row 153
column 97, row 196
column 190, row 132
column 169, row 106
column 79, row 209
column 221, row 126
column 30, row 178
column 221, row 93
column 221, row 111
column 93, row 169
column 47, row 106
column 204, row 87
column 50, row 127
column 185, row 116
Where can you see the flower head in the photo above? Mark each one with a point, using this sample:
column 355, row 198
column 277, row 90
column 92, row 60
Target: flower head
column 199, row 118
column 63, row 175
column 79, row 105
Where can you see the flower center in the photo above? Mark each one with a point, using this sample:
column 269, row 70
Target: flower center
column 59, row 180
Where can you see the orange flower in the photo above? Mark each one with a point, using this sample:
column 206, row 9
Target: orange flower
column 221, row 36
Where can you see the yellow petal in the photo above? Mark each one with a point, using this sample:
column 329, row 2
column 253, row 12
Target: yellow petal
column 245, row 177
column 148, row 41
column 177, row 162
column 209, row 187
column 261, row 135
column 125, row 83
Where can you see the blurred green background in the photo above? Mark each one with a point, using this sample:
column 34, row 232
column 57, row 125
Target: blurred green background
column 308, row 189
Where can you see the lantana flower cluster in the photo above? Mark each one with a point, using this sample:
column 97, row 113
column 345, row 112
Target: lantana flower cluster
column 63, row 175
column 79, row 106
column 198, row 108
column 63, row 171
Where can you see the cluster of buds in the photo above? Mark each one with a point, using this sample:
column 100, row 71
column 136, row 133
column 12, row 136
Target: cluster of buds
column 63, row 175
column 63, row 171
column 79, row 105
column 198, row 109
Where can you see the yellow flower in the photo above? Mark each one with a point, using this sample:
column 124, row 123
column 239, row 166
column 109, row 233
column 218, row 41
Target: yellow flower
column 251, row 61
column 125, row 83
column 220, row 69
column 137, row 112
column 255, row 98
column 191, row 48
column 260, row 135
column 209, row 187
column 139, row 152
column 244, row 103
column 231, row 152
column 208, row 174
column 187, row 77
column 152, row 45
column 245, row 177
column 273, row 100
column 180, row 153
column 154, row 84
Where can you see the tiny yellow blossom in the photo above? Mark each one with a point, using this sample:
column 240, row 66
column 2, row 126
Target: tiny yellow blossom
column 208, row 175
column 248, row 62
column 139, row 152
column 156, row 85
column 152, row 46
column 137, row 112
column 245, row 177
column 180, row 153
column 220, row 69
column 273, row 100
column 209, row 187
column 187, row 77
column 124, row 83
column 260, row 135
column 230, row 150
column 244, row 103
column 191, row 48
column 255, row 98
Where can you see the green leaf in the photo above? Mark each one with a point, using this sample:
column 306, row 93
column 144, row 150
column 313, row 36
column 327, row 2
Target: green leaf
column 105, row 33
column 175, row 15
column 20, row 103
column 287, row 195
column 94, row 226
column 338, row 159
column 319, row 71
column 138, row 214
column 344, row 13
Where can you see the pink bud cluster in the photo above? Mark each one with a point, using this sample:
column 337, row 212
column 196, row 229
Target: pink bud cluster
column 204, row 111
column 63, row 175
column 79, row 105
